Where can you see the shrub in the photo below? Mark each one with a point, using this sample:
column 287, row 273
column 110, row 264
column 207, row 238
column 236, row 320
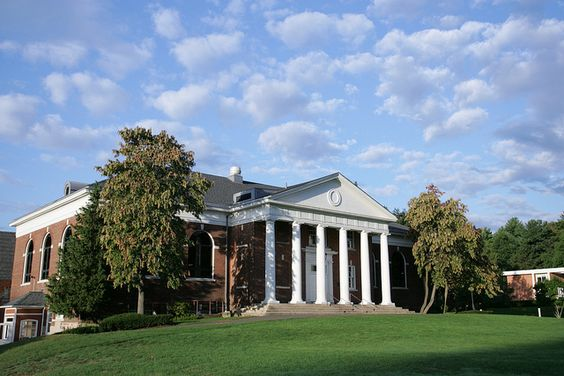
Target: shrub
column 180, row 309
column 128, row 321
column 89, row 329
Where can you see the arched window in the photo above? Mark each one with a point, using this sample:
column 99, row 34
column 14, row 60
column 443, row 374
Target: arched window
column 200, row 256
column 46, row 257
column 28, row 262
column 66, row 235
column 399, row 278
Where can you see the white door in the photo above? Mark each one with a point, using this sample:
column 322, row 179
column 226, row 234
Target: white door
column 311, row 279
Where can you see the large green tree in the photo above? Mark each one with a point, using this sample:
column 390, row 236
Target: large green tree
column 81, row 288
column 447, row 250
column 150, row 181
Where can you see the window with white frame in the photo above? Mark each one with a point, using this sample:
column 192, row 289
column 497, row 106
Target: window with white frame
column 66, row 235
column 45, row 257
column 352, row 278
column 200, row 256
column 311, row 238
column 541, row 277
column 28, row 262
column 28, row 329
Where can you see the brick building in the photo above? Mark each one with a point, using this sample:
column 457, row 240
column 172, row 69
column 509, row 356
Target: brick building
column 323, row 241
column 522, row 282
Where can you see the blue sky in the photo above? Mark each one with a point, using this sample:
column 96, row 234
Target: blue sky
column 467, row 95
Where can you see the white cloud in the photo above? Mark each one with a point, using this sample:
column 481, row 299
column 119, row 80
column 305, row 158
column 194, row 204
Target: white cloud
column 360, row 63
column 99, row 95
column 377, row 156
column 473, row 91
column 230, row 17
column 58, row 86
column 301, row 142
column 52, row 133
column 385, row 191
column 202, row 52
column 122, row 58
column 64, row 54
column 459, row 122
column 17, row 112
column 167, row 23
column 266, row 99
column 351, row 89
column 397, row 9
column 8, row 46
column 65, row 162
column 313, row 68
column 182, row 103
column 314, row 28
column 319, row 106
column 207, row 151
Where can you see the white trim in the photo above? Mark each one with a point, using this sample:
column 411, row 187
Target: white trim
column 67, row 228
column 22, row 327
column 404, row 269
column 57, row 211
column 212, row 257
column 533, row 271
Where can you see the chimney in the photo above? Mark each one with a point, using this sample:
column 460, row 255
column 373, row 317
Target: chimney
column 235, row 174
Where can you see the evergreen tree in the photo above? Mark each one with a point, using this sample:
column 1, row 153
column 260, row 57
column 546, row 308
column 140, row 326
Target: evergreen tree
column 150, row 182
column 80, row 288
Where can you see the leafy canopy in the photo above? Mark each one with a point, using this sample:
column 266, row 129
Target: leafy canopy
column 150, row 182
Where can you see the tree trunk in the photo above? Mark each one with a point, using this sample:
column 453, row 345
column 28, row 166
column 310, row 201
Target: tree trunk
column 472, row 298
column 140, row 300
column 445, row 299
column 431, row 300
column 426, row 292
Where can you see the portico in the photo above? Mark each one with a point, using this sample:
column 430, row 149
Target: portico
column 318, row 260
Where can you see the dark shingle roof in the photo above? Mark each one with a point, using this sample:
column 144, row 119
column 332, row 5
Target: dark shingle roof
column 31, row 299
column 223, row 189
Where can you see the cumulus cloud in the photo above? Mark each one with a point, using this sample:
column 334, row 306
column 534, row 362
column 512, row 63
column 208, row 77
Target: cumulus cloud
column 120, row 59
column 52, row 133
column 396, row 9
column 313, row 68
column 200, row 52
column 266, row 99
column 182, row 103
column 300, row 142
column 17, row 112
column 314, row 28
column 167, row 23
column 473, row 91
column 64, row 54
column 99, row 95
column 461, row 121
column 207, row 151
column 229, row 18
column 377, row 156
column 385, row 191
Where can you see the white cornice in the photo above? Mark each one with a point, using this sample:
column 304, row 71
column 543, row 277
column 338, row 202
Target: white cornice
column 534, row 271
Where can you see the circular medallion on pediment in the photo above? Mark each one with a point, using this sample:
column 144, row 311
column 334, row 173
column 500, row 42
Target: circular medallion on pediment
column 334, row 197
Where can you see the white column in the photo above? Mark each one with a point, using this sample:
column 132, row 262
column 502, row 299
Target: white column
column 296, row 264
column 343, row 267
column 270, row 264
column 385, row 270
column 321, row 295
column 365, row 269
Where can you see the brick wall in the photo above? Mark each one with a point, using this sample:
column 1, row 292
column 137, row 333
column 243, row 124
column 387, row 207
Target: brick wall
column 56, row 231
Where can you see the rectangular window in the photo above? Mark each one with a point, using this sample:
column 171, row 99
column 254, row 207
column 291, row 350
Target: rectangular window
column 350, row 240
column 352, row 278
column 311, row 239
column 28, row 329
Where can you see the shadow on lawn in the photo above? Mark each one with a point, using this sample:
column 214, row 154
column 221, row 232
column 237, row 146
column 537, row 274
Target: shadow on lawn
column 546, row 358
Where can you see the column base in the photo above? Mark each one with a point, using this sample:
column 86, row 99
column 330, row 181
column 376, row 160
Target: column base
column 296, row 302
column 366, row 302
column 388, row 304
column 271, row 301
column 344, row 302
column 321, row 302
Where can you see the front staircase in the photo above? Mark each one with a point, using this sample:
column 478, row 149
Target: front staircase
column 284, row 309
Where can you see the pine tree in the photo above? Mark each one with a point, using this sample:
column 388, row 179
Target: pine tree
column 81, row 288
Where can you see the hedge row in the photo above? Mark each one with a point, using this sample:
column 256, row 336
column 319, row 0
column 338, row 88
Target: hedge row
column 124, row 321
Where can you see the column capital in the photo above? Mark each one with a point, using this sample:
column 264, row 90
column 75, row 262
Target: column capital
column 384, row 234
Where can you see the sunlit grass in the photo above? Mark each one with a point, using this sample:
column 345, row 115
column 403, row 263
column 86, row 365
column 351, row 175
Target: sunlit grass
column 406, row 344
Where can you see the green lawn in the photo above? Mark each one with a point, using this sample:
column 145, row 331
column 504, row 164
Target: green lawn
column 357, row 345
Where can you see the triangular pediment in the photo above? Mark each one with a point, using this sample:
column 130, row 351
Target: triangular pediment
column 335, row 193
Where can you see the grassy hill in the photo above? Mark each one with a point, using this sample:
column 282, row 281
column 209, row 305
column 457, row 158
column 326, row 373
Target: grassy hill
column 358, row 345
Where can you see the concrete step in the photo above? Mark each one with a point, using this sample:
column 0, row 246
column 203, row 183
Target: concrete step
column 330, row 309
